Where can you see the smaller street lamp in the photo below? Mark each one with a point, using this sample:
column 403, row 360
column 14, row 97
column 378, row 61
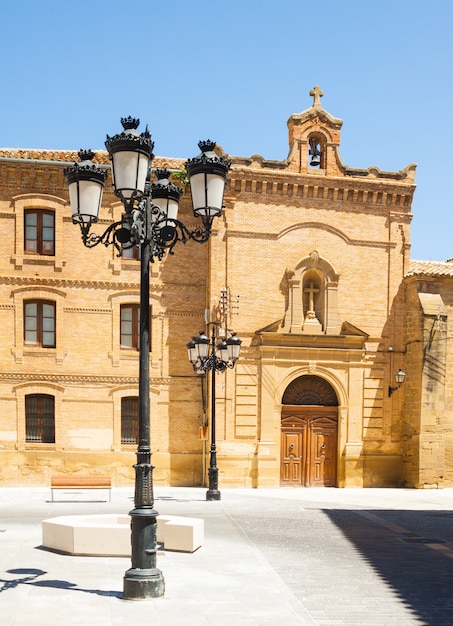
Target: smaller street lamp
column 202, row 362
column 400, row 377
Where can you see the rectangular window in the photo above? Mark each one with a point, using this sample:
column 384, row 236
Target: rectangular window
column 39, row 237
column 39, row 323
column 39, row 418
column 130, row 326
column 129, row 420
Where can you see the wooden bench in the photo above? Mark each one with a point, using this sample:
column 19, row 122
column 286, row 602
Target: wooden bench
column 70, row 482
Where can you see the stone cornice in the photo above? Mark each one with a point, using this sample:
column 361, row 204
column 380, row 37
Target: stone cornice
column 42, row 171
column 117, row 286
column 291, row 187
column 64, row 379
column 75, row 309
column 260, row 165
column 271, row 341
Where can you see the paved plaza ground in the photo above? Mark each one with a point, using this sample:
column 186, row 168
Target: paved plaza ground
column 270, row 557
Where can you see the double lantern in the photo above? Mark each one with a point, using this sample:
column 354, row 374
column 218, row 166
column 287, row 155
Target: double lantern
column 198, row 352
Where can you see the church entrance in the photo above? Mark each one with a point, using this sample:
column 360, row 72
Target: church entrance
column 309, row 434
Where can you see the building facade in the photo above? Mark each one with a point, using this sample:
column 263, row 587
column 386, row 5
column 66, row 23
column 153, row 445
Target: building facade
column 309, row 264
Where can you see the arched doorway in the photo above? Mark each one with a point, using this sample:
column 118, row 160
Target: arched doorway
column 309, row 433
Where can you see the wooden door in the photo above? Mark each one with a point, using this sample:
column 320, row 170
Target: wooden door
column 309, row 446
column 293, row 444
column 323, row 452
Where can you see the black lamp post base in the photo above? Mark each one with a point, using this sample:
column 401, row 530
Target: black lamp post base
column 213, row 494
column 141, row 584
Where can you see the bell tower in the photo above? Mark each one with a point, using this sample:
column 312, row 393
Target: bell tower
column 314, row 140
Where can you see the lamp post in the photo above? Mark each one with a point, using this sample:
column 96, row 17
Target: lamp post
column 202, row 362
column 149, row 222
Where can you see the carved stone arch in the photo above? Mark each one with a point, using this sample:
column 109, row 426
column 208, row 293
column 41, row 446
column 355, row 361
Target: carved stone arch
column 314, row 260
column 310, row 390
column 331, row 377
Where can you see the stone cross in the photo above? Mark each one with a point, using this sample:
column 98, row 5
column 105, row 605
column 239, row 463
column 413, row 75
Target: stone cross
column 311, row 290
column 317, row 94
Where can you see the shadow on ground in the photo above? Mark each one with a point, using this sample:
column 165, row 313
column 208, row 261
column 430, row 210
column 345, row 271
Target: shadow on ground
column 358, row 561
column 36, row 578
column 412, row 551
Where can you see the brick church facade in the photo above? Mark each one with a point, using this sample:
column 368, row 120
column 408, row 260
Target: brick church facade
column 309, row 265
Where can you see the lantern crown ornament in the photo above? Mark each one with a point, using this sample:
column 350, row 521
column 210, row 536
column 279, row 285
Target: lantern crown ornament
column 164, row 188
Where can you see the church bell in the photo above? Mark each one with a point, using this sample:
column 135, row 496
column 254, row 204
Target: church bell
column 315, row 153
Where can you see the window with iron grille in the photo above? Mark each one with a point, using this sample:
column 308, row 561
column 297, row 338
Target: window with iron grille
column 129, row 419
column 39, row 418
column 39, row 236
column 39, row 323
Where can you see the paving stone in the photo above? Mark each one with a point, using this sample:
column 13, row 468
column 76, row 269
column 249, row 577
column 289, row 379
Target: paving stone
column 314, row 557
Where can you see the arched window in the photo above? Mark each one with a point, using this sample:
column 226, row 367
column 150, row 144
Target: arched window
column 310, row 390
column 39, row 418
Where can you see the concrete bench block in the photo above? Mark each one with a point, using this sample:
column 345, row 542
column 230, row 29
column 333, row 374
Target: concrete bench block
column 110, row 534
column 58, row 535
column 162, row 520
column 183, row 534
column 102, row 535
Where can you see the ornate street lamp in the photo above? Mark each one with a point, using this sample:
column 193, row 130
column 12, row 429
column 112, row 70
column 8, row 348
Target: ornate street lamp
column 149, row 222
column 202, row 362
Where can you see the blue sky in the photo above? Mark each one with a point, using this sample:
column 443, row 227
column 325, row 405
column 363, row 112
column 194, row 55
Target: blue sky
column 234, row 71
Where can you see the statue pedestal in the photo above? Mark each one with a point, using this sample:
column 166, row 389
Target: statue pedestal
column 312, row 325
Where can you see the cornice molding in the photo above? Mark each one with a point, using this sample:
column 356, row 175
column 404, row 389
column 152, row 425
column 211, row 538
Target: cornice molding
column 40, row 171
column 65, row 379
column 67, row 283
column 369, row 193
column 75, row 309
